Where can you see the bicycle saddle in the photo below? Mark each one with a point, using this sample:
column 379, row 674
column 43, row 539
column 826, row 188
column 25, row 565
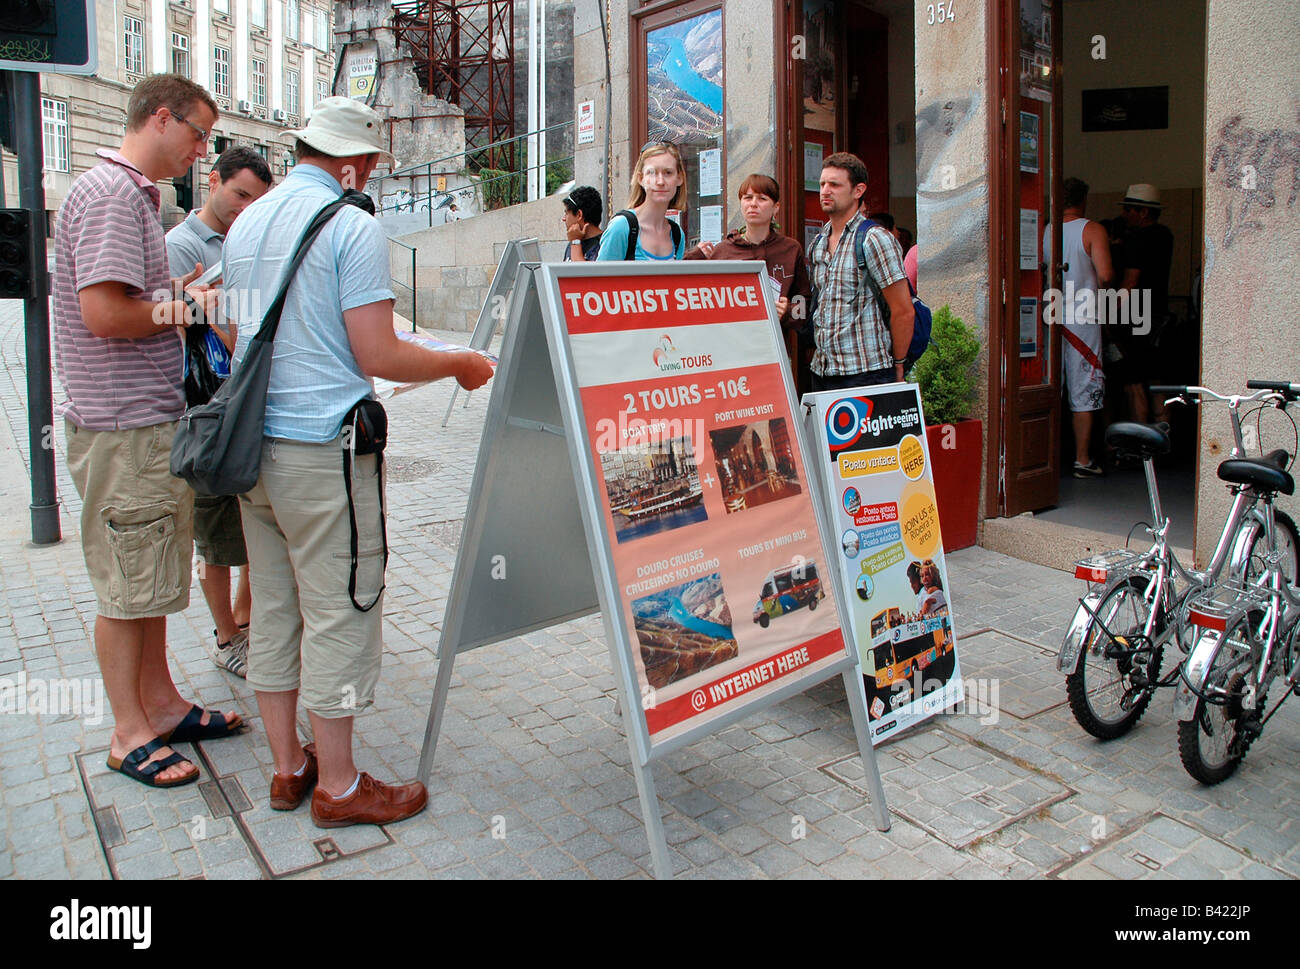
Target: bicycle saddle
column 1259, row 474
column 1144, row 440
column 1278, row 457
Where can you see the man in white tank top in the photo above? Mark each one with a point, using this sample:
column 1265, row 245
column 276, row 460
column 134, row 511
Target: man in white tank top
column 1086, row 269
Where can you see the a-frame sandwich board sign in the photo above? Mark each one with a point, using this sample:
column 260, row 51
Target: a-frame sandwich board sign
column 655, row 470
column 495, row 303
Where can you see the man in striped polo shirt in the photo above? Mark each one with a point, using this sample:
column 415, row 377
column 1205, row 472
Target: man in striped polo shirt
column 119, row 359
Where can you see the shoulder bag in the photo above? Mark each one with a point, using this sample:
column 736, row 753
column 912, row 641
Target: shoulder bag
column 217, row 448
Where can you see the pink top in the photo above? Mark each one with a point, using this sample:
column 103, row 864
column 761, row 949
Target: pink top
column 909, row 267
column 109, row 228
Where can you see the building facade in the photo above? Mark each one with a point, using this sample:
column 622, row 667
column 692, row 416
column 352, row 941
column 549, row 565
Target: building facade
column 266, row 63
column 969, row 116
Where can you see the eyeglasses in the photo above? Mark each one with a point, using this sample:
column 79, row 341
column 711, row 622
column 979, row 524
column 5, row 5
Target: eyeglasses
column 661, row 143
column 203, row 135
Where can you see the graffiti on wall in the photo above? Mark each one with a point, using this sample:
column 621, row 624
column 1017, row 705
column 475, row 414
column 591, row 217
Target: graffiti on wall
column 1259, row 168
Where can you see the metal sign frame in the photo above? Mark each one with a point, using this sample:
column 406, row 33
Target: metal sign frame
column 485, row 327
column 534, row 307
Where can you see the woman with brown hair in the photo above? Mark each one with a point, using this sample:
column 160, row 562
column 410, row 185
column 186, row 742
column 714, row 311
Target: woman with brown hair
column 760, row 198
column 658, row 184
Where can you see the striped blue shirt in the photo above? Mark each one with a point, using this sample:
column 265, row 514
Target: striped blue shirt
column 315, row 379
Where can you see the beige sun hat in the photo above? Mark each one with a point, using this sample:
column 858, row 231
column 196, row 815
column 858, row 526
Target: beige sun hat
column 341, row 127
column 1142, row 196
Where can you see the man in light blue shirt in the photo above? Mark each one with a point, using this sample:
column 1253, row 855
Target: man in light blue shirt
column 315, row 532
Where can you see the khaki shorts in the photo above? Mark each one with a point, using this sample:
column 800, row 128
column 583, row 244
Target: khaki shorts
column 305, row 634
column 136, row 519
column 218, row 530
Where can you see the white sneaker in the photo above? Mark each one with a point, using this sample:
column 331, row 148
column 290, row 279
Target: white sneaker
column 233, row 657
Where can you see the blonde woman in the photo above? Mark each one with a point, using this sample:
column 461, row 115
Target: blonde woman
column 643, row 230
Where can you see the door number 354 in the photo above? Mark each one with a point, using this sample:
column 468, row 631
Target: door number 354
column 937, row 13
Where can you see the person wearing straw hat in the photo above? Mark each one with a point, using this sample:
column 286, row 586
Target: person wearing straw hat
column 311, row 637
column 1149, row 249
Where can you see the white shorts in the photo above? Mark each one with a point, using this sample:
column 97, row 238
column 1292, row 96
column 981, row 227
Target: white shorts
column 1081, row 352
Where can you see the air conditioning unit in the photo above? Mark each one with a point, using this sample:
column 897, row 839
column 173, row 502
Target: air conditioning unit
column 279, row 115
column 246, row 107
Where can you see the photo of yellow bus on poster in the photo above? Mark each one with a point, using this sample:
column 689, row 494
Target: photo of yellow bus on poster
column 875, row 465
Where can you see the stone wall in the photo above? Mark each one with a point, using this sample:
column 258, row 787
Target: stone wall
column 455, row 262
column 421, row 127
column 1252, row 228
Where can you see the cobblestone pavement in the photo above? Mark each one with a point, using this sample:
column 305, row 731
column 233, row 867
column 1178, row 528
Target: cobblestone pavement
column 532, row 777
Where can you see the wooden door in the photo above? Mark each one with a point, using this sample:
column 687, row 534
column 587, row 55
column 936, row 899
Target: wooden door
column 1029, row 181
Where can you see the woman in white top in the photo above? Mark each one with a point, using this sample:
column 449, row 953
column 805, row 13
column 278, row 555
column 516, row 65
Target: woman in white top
column 658, row 184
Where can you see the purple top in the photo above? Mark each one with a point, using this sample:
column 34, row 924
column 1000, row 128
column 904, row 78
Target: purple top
column 109, row 228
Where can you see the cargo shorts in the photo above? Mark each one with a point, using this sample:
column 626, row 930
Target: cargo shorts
column 136, row 519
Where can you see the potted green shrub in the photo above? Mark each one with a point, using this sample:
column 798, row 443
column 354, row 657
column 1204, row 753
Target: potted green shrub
column 947, row 378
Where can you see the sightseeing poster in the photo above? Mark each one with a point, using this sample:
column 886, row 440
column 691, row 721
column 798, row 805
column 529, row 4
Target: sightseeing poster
column 722, row 582
column 882, row 500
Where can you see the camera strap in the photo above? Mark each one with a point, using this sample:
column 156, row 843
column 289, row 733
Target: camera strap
column 349, row 453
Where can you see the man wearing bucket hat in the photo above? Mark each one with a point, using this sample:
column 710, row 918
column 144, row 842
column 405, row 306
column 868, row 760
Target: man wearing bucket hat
column 315, row 532
column 1148, row 252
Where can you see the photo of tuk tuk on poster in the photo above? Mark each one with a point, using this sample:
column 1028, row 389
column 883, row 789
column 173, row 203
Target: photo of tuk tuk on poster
column 876, row 461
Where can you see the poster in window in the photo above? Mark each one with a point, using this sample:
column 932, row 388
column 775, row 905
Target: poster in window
column 684, row 92
column 1028, row 142
column 1028, row 326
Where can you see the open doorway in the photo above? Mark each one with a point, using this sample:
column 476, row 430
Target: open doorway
column 1132, row 129
column 850, row 87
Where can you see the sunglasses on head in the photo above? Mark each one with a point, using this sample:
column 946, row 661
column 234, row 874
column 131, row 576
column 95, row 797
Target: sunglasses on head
column 661, row 143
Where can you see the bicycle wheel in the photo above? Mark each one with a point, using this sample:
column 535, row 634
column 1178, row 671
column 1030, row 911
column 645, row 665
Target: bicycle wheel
column 1288, row 543
column 1209, row 744
column 1100, row 689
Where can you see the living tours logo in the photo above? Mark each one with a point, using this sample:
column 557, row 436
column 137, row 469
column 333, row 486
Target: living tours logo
column 57, row 697
column 75, row 922
column 1116, row 307
column 668, row 359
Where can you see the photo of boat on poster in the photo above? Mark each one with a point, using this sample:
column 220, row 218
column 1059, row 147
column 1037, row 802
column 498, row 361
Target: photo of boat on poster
column 653, row 488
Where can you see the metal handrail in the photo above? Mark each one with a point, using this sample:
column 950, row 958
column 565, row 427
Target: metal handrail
column 460, row 154
column 415, row 307
column 427, row 170
column 434, row 193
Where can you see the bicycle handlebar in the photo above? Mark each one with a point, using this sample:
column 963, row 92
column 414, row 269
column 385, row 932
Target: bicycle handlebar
column 1288, row 390
column 1263, row 390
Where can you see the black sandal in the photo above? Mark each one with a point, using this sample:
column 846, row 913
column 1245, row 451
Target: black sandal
column 134, row 765
column 193, row 728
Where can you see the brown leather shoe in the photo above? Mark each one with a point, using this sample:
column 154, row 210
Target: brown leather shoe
column 288, row 790
column 371, row 803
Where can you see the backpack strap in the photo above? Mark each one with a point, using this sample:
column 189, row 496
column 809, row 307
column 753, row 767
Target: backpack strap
column 271, row 322
column 860, row 249
column 634, row 228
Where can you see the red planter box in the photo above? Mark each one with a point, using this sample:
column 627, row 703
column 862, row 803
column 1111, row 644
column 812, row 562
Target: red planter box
column 956, row 472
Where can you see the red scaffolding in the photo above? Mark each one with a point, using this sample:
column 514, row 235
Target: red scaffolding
column 463, row 52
